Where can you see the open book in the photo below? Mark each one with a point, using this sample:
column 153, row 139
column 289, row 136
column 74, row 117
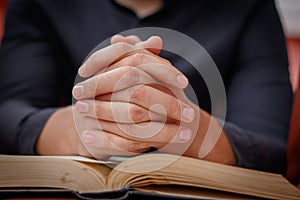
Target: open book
column 163, row 174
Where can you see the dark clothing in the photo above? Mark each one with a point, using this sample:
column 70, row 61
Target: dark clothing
column 46, row 41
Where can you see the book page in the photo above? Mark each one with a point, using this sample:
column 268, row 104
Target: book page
column 192, row 192
column 52, row 172
column 164, row 169
column 84, row 159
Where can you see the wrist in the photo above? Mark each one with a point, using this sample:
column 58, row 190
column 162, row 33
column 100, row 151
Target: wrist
column 216, row 147
column 59, row 136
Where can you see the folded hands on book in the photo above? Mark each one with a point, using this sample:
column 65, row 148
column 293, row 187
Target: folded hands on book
column 132, row 100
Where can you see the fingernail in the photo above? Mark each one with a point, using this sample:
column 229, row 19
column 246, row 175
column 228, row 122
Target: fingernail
column 82, row 70
column 185, row 134
column 78, row 90
column 88, row 137
column 188, row 114
column 182, row 81
column 82, row 107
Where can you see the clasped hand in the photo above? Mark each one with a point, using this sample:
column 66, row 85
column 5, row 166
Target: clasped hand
column 133, row 100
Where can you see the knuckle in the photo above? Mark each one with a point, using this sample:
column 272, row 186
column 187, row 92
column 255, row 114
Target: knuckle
column 98, row 109
column 139, row 93
column 133, row 146
column 164, row 60
column 91, row 86
column 132, row 75
column 135, row 59
column 167, row 62
column 138, row 58
column 170, row 135
column 130, row 91
column 123, row 47
column 137, row 113
column 172, row 105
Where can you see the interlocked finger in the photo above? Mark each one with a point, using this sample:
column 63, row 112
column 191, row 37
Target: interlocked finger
column 154, row 100
column 112, row 81
column 118, row 112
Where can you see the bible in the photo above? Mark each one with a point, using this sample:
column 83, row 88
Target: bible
column 154, row 174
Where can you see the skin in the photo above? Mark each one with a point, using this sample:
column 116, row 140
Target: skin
column 142, row 8
column 94, row 130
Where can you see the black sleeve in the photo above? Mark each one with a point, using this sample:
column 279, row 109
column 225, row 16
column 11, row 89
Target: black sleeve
column 29, row 78
column 259, row 94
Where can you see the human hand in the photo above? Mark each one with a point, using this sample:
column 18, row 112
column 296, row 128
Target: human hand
column 210, row 141
column 59, row 136
column 124, row 97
